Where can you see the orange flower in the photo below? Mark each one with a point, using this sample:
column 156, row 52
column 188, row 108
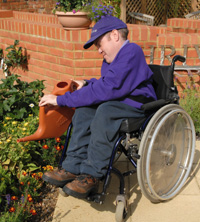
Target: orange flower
column 30, row 199
column 14, row 198
column 28, row 195
column 33, row 212
column 24, row 173
column 22, row 183
column 62, row 147
column 44, row 168
column 28, row 183
column 58, row 139
column 49, row 167
column 58, row 148
column 12, row 209
column 33, row 175
column 45, row 147
column 40, row 174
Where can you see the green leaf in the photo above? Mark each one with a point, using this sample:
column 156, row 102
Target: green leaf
column 7, row 162
column 32, row 167
column 6, row 106
column 29, row 91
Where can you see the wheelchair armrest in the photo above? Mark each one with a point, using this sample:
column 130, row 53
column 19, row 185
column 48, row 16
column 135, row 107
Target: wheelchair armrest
column 155, row 105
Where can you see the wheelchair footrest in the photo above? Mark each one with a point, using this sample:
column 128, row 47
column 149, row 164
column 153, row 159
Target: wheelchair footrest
column 128, row 173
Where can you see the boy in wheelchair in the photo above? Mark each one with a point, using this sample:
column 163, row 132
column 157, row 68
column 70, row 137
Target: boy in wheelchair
column 101, row 106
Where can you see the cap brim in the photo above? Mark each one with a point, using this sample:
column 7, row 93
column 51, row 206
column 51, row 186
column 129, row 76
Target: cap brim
column 90, row 42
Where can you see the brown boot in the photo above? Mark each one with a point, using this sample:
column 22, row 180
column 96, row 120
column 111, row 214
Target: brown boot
column 82, row 186
column 58, row 177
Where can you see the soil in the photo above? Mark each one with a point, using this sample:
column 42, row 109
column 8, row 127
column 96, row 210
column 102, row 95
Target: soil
column 46, row 204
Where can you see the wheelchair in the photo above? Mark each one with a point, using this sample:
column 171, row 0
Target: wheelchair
column 164, row 156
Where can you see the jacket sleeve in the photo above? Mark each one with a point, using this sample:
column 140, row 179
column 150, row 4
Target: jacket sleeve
column 123, row 75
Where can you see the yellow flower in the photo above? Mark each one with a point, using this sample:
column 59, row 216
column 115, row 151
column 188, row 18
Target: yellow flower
column 40, row 174
column 30, row 114
column 1, row 142
column 8, row 140
column 14, row 122
column 26, row 124
column 24, row 129
column 8, row 118
column 5, row 125
column 49, row 167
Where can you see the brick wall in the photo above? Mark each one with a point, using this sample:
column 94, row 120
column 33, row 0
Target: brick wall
column 56, row 54
column 38, row 6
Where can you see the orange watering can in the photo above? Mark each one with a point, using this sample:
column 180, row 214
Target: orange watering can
column 53, row 120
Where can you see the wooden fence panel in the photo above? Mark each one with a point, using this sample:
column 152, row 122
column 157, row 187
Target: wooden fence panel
column 162, row 9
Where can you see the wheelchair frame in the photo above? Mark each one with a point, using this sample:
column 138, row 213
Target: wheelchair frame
column 176, row 154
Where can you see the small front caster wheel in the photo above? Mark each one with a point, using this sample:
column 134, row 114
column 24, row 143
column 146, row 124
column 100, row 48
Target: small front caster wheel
column 120, row 213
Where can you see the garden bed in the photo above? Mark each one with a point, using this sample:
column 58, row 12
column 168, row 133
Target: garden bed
column 46, row 204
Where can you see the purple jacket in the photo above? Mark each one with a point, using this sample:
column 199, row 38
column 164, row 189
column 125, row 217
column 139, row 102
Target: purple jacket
column 128, row 74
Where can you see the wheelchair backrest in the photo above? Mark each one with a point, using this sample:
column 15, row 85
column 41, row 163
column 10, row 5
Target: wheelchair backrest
column 163, row 82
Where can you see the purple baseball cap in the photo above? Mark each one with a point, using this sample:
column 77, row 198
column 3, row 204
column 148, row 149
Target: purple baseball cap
column 104, row 25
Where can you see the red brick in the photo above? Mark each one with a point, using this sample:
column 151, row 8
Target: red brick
column 52, row 74
column 153, row 34
column 192, row 53
column 84, row 35
column 78, row 46
column 136, row 34
column 79, row 72
column 56, row 52
column 68, row 54
column 93, row 71
column 78, row 55
column 31, row 47
column 84, row 63
column 64, row 45
column 66, row 62
column 6, row 14
column 75, row 36
column 161, row 39
column 169, row 39
column 50, row 58
column 144, row 33
column 177, row 41
column 58, row 68
column 69, row 70
column 91, row 55
column 43, row 49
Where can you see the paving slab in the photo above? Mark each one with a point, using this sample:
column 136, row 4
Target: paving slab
column 183, row 208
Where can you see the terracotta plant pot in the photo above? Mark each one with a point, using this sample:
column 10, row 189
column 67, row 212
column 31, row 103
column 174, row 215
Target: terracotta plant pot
column 73, row 21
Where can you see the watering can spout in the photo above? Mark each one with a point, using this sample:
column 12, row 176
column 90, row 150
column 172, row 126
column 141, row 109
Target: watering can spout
column 53, row 120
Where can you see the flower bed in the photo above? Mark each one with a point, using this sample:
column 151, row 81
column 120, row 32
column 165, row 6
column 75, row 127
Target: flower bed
column 23, row 164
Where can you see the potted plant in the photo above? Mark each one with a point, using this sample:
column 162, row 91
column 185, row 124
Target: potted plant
column 79, row 14
column 71, row 15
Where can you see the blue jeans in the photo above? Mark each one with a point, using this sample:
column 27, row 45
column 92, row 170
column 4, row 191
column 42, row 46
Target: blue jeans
column 95, row 132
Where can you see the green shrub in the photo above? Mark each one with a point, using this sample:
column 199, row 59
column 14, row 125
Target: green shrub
column 16, row 57
column 18, row 99
column 190, row 101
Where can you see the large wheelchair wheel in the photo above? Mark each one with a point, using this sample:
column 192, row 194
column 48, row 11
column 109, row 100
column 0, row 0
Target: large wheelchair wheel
column 166, row 153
